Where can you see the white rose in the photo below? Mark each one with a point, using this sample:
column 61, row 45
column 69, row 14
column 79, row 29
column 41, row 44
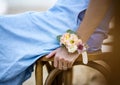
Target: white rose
column 72, row 48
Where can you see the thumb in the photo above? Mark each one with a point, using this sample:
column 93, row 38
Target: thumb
column 51, row 54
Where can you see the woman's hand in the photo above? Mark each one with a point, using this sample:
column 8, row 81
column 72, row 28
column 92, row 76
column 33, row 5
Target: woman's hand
column 62, row 59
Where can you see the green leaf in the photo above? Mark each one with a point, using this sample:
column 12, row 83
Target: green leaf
column 58, row 37
column 70, row 31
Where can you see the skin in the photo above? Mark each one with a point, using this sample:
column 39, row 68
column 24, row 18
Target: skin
column 94, row 15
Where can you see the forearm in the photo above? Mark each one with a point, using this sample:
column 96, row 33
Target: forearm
column 94, row 15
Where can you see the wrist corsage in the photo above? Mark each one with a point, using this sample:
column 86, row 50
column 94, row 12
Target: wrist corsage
column 73, row 43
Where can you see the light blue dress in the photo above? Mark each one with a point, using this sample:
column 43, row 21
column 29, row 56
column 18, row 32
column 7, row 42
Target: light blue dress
column 26, row 37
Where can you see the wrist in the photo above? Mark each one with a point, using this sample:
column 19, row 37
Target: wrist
column 73, row 44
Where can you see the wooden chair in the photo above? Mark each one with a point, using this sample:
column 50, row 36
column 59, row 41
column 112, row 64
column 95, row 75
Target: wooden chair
column 52, row 78
column 54, row 74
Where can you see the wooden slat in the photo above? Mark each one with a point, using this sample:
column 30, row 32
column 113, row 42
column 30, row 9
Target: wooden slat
column 39, row 73
column 68, row 76
column 91, row 57
column 52, row 76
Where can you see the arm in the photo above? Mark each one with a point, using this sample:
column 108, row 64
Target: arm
column 94, row 14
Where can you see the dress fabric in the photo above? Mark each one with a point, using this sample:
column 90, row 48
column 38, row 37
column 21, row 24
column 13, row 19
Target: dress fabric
column 28, row 36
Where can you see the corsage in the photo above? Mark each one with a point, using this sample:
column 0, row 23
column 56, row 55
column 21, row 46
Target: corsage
column 73, row 43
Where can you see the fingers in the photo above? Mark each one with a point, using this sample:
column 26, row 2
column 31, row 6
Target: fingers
column 51, row 54
column 63, row 60
column 62, row 63
column 65, row 65
column 56, row 62
column 70, row 64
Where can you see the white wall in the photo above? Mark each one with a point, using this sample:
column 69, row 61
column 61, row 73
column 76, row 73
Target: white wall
column 17, row 6
column 3, row 7
column 42, row 3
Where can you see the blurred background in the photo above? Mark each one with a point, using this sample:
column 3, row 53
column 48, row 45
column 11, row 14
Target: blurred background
column 17, row 6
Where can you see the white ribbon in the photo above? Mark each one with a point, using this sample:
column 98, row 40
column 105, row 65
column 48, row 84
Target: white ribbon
column 84, row 57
